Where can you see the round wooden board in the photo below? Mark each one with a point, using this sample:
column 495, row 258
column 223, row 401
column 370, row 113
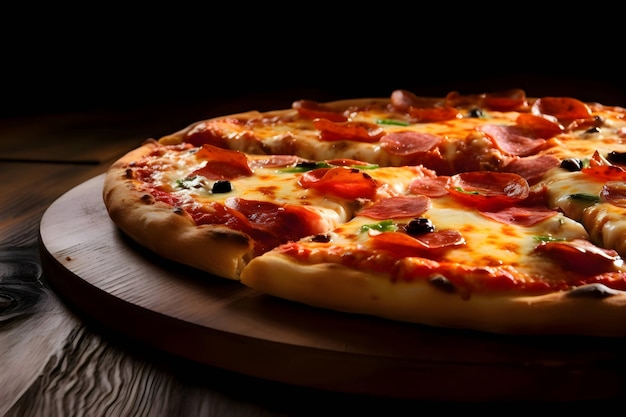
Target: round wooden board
column 190, row 314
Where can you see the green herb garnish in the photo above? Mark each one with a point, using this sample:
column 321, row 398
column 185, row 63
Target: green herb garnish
column 186, row 183
column 392, row 122
column 306, row 166
column 461, row 190
column 591, row 198
column 548, row 239
column 384, row 226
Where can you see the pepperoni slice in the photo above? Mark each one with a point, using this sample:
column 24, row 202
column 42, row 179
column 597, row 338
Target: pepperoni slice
column 506, row 100
column 563, row 108
column 275, row 161
column 350, row 130
column 433, row 114
column 429, row 186
column 532, row 168
column 521, row 216
column 488, row 189
column 397, row 207
column 408, row 143
column 403, row 245
column 310, row 109
column 222, row 164
column 271, row 224
column 210, row 132
column 349, row 183
column 538, row 126
column 601, row 168
column 579, row 255
column 403, row 100
column 512, row 139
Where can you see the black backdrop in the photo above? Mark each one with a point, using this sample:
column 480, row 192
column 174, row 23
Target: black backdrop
column 81, row 60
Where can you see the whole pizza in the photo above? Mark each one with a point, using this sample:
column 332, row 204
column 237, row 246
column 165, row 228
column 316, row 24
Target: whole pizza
column 493, row 212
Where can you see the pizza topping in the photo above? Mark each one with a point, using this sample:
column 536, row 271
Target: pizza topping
column 538, row 126
column 359, row 131
column 429, row 186
column 349, row 183
column 512, row 139
column 580, row 255
column 208, row 132
column 270, row 224
column 522, row 216
column 419, row 226
column 313, row 110
column 488, row 189
column 275, row 161
column 563, row 108
column 403, row 100
column 383, row 226
column 222, row 164
column 601, row 168
column 409, row 142
column 433, row 114
column 615, row 157
column 397, row 207
column 403, row 245
column 572, row 164
column 221, row 186
column 532, row 168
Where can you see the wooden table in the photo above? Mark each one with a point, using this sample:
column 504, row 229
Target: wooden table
column 56, row 361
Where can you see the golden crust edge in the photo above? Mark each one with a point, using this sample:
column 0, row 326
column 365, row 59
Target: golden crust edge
column 337, row 287
column 216, row 250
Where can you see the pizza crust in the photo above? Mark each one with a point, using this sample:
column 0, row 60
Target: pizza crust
column 156, row 226
column 340, row 288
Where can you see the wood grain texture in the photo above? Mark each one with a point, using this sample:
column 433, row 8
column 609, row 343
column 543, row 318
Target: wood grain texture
column 220, row 323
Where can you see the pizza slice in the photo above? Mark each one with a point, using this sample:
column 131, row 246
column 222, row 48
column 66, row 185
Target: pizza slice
column 476, row 250
column 216, row 209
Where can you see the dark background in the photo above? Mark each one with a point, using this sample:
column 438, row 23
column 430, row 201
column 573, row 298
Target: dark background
column 73, row 60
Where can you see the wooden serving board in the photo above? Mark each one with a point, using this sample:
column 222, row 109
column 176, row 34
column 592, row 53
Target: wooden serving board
column 102, row 274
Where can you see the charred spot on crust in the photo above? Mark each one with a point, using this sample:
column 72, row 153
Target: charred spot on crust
column 129, row 173
column 593, row 291
column 178, row 210
column 442, row 283
column 147, row 198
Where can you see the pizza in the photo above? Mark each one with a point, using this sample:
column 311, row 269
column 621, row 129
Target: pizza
column 491, row 212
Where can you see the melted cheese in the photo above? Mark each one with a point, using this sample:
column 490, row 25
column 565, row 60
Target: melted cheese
column 488, row 243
